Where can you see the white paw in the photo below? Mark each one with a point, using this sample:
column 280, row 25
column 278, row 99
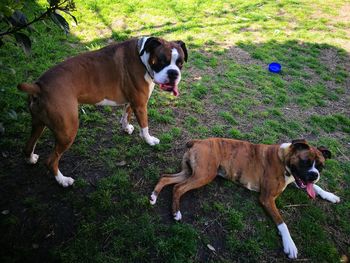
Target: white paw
column 63, row 180
column 32, row 159
column 153, row 198
column 152, row 140
column 177, row 216
column 128, row 128
column 288, row 244
column 148, row 138
column 289, row 248
column 330, row 197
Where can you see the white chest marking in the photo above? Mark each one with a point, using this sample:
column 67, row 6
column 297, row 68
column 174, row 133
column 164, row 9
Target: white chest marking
column 288, row 179
column 249, row 186
column 150, row 84
column 106, row 102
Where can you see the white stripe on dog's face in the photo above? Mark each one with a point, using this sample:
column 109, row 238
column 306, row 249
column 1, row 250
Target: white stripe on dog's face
column 162, row 76
column 313, row 169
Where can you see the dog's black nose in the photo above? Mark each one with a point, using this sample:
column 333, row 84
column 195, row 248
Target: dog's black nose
column 312, row 176
column 172, row 74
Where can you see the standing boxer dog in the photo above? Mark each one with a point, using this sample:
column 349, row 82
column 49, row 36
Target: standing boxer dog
column 267, row 169
column 119, row 74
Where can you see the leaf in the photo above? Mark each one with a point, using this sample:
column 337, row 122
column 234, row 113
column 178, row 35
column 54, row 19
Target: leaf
column 31, row 29
column 14, row 73
column 24, row 41
column 67, row 12
column 121, row 163
column 60, row 21
column 211, row 247
column 5, row 212
column 2, row 129
column 7, row 10
column 12, row 114
column 53, row 2
column 18, row 19
column 1, row 42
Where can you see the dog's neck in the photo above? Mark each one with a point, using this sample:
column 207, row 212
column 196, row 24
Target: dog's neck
column 143, row 56
column 282, row 153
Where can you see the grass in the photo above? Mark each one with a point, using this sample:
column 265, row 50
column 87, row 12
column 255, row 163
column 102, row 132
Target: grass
column 226, row 91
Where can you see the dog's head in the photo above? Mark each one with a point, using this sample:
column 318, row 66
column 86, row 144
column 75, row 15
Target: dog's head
column 163, row 61
column 305, row 163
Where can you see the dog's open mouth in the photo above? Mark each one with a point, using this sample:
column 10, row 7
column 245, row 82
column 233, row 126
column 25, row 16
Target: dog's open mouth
column 170, row 88
column 309, row 187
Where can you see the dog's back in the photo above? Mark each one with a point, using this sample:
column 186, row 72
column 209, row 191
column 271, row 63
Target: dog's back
column 235, row 160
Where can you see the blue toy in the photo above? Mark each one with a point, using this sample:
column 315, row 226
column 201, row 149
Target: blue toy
column 275, row 67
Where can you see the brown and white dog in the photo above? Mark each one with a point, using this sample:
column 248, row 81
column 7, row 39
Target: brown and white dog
column 120, row 74
column 267, row 169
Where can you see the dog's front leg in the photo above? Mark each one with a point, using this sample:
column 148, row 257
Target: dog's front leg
column 288, row 244
column 142, row 119
column 125, row 120
column 326, row 195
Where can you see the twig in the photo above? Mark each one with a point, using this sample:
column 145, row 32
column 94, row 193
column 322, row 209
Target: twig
column 296, row 205
column 211, row 222
column 135, row 185
column 347, row 158
column 76, row 167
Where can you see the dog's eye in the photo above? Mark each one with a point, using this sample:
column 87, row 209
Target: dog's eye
column 164, row 63
column 306, row 162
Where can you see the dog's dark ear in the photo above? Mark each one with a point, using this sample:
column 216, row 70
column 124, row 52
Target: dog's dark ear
column 150, row 44
column 184, row 49
column 325, row 152
column 300, row 144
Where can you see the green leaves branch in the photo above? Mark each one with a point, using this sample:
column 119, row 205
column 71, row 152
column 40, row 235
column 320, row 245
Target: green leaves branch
column 13, row 21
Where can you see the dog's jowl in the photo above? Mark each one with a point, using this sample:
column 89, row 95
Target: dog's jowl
column 267, row 169
column 120, row 74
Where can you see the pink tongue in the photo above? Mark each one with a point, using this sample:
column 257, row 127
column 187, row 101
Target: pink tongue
column 310, row 190
column 175, row 91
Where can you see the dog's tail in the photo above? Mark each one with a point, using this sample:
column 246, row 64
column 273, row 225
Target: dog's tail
column 29, row 88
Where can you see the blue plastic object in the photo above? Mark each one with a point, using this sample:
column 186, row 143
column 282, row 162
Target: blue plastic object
column 275, row 67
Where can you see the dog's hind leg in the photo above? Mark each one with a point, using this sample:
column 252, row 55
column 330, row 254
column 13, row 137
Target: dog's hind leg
column 167, row 179
column 65, row 130
column 199, row 178
column 125, row 120
column 37, row 129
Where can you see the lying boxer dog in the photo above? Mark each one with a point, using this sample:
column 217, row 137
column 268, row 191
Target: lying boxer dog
column 267, row 169
column 120, row 74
